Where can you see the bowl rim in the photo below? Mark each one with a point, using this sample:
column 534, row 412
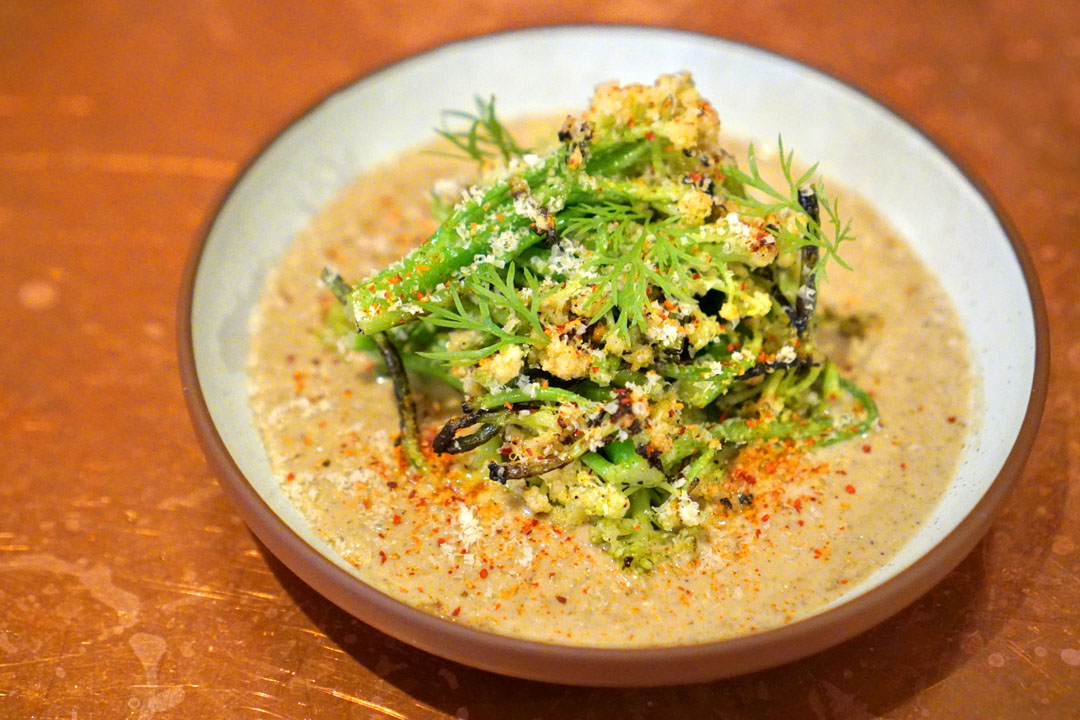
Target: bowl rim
column 605, row 666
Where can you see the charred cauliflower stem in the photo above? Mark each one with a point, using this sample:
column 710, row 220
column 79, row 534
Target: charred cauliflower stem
column 621, row 314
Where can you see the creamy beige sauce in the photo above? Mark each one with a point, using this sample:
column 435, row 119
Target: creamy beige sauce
column 464, row 548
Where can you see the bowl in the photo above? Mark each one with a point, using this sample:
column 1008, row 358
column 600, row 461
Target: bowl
column 950, row 222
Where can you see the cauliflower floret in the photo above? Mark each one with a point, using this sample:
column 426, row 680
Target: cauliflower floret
column 555, row 307
column 662, row 329
column 638, row 354
column 639, row 400
column 750, row 304
column 572, row 498
column 701, row 330
column 689, row 511
column 563, row 360
column 557, row 484
column 505, row 365
column 615, row 343
column 752, row 238
column 678, row 511
column 667, row 515
column 671, row 107
column 641, row 356
column 695, row 206
column 601, row 500
column 585, row 302
column 457, row 340
column 536, row 500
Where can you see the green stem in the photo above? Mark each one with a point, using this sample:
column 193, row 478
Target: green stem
column 378, row 302
column 545, row 395
column 640, row 503
column 699, row 464
column 627, row 468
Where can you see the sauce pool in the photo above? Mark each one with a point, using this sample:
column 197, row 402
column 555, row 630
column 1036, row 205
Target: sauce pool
column 459, row 546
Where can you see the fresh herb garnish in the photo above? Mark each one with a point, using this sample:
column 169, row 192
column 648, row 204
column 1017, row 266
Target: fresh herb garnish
column 484, row 136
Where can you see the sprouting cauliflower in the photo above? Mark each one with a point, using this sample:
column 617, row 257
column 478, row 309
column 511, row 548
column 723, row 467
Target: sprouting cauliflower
column 621, row 313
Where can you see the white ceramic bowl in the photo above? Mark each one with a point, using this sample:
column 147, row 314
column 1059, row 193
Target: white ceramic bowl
column 919, row 190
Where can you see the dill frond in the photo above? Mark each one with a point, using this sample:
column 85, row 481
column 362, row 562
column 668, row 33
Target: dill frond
column 487, row 294
column 630, row 252
column 810, row 231
column 483, row 138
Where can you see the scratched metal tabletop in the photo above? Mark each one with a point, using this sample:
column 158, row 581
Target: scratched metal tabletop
column 130, row 588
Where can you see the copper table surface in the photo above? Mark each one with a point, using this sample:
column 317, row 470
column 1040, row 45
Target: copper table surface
column 129, row 587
